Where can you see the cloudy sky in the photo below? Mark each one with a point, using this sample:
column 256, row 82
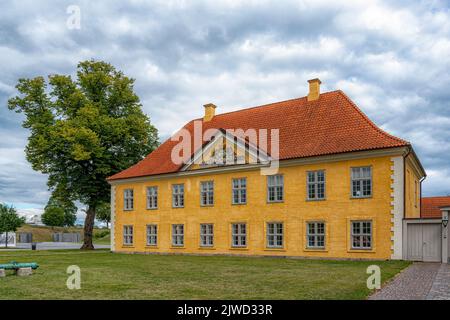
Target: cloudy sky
column 391, row 58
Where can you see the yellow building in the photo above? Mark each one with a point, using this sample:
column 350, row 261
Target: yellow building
column 308, row 177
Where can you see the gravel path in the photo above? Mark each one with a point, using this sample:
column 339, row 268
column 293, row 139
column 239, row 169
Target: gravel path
column 418, row 282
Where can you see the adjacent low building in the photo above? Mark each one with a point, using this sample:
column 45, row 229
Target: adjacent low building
column 319, row 180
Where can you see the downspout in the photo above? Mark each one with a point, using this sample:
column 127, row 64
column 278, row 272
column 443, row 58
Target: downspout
column 420, row 200
column 404, row 180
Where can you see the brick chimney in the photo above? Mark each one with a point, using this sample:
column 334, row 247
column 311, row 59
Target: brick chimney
column 210, row 111
column 314, row 89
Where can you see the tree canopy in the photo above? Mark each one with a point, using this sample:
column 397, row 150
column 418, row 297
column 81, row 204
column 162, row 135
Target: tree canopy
column 9, row 220
column 83, row 130
column 68, row 208
column 104, row 213
column 53, row 217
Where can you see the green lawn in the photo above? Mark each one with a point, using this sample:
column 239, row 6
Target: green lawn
column 119, row 276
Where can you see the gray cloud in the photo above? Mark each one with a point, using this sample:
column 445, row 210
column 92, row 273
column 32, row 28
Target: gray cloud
column 392, row 59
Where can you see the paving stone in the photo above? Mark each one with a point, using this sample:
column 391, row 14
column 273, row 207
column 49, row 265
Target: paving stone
column 441, row 285
column 414, row 283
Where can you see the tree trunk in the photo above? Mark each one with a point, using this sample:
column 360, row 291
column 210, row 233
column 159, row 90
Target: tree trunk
column 88, row 229
column 6, row 240
column 107, row 225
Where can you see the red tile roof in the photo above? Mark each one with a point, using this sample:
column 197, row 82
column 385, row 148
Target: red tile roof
column 430, row 206
column 330, row 125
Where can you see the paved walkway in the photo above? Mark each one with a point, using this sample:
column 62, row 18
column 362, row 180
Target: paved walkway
column 420, row 281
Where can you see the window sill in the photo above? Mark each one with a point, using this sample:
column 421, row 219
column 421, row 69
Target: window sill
column 206, row 248
column 356, row 198
column 128, row 246
column 315, row 250
column 152, row 209
column 177, row 247
column 239, row 204
column 177, row 207
column 206, row 205
column 127, row 210
column 361, row 250
column 315, row 200
column 271, row 202
column 275, row 249
column 239, row 248
column 151, row 247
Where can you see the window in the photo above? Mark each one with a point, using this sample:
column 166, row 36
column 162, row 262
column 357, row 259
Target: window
column 152, row 197
column 239, row 191
column 315, row 234
column 275, row 186
column 316, row 185
column 238, row 235
column 128, row 235
column 361, row 235
column 178, row 235
column 207, row 193
column 152, row 235
column 206, row 235
column 361, row 182
column 178, row 195
column 128, row 201
column 275, row 235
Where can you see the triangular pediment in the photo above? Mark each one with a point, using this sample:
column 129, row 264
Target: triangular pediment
column 226, row 149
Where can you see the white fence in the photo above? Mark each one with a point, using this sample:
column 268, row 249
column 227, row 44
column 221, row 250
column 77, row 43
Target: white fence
column 11, row 239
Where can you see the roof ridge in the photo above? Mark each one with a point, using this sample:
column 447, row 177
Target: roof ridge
column 436, row 197
column 266, row 105
column 370, row 122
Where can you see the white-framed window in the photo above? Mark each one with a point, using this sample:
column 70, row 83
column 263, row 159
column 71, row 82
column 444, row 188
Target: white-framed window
column 152, row 197
column 239, row 190
column 315, row 182
column 206, row 235
column 275, row 188
column 152, row 234
column 178, row 195
column 239, row 235
column 361, row 182
column 315, row 234
column 128, row 235
column 207, row 193
column 128, row 199
column 361, row 234
column 178, row 235
column 275, row 235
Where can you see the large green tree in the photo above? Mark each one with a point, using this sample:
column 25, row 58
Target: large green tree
column 53, row 217
column 9, row 220
column 83, row 130
column 64, row 204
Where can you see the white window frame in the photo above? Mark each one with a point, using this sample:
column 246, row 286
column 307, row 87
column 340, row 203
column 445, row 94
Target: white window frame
column 206, row 235
column 128, row 237
column 152, row 235
column 360, row 181
column 152, row 198
column 207, row 193
column 178, row 195
column 239, row 233
column 315, row 235
column 275, row 235
column 128, row 199
column 239, row 189
column 315, row 184
column 178, row 235
column 275, row 183
column 361, row 234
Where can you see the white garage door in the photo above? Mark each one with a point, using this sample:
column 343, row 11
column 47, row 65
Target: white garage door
column 424, row 242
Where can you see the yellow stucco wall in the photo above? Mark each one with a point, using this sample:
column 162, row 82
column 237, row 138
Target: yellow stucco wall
column 412, row 191
column 337, row 211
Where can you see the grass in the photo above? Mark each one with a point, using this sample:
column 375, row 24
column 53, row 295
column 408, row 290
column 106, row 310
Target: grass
column 105, row 275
